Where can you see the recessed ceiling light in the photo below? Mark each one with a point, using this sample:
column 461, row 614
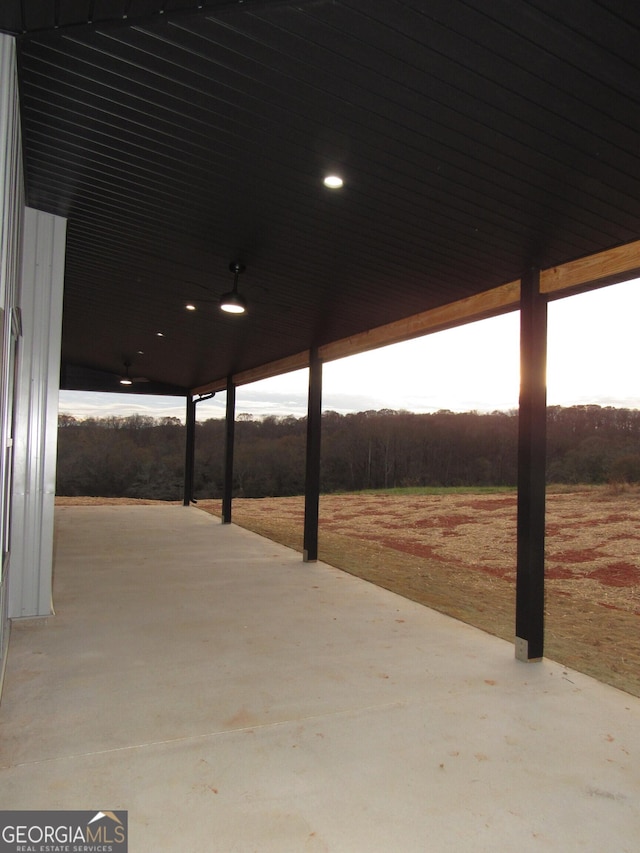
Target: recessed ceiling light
column 190, row 307
column 159, row 334
column 334, row 182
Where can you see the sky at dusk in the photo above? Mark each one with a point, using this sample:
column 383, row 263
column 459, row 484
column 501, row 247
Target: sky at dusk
column 593, row 357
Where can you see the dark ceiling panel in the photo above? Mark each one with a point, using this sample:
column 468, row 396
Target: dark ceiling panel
column 475, row 140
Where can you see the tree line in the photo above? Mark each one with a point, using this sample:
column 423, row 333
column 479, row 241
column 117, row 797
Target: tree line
column 143, row 457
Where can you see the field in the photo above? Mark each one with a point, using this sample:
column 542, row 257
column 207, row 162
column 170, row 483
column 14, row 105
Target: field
column 456, row 553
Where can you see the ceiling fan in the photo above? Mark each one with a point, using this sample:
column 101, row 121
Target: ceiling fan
column 126, row 379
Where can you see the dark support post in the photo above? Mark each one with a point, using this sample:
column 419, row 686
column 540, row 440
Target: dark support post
column 189, row 450
column 532, row 428
column 312, row 478
column 228, row 452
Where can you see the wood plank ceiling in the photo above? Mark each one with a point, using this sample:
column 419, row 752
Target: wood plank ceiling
column 475, row 140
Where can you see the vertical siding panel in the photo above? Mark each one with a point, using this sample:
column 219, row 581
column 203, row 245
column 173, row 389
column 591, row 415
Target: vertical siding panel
column 11, row 214
column 36, row 415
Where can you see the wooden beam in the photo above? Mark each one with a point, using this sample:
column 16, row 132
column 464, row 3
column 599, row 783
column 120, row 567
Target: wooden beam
column 275, row 368
column 500, row 300
column 265, row 371
column 608, row 267
column 215, row 386
column 604, row 268
column 490, row 303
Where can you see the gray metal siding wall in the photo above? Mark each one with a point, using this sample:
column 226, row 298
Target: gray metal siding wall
column 11, row 210
column 36, row 415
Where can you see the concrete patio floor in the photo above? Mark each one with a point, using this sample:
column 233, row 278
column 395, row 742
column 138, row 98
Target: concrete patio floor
column 233, row 698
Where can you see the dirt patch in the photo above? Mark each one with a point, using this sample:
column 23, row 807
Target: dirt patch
column 457, row 554
column 618, row 574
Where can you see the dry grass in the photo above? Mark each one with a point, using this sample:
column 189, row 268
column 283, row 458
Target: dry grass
column 457, row 554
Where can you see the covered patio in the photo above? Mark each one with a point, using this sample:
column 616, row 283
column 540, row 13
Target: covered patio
column 232, row 698
column 199, row 195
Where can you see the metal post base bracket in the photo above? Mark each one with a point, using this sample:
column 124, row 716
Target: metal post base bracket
column 522, row 651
